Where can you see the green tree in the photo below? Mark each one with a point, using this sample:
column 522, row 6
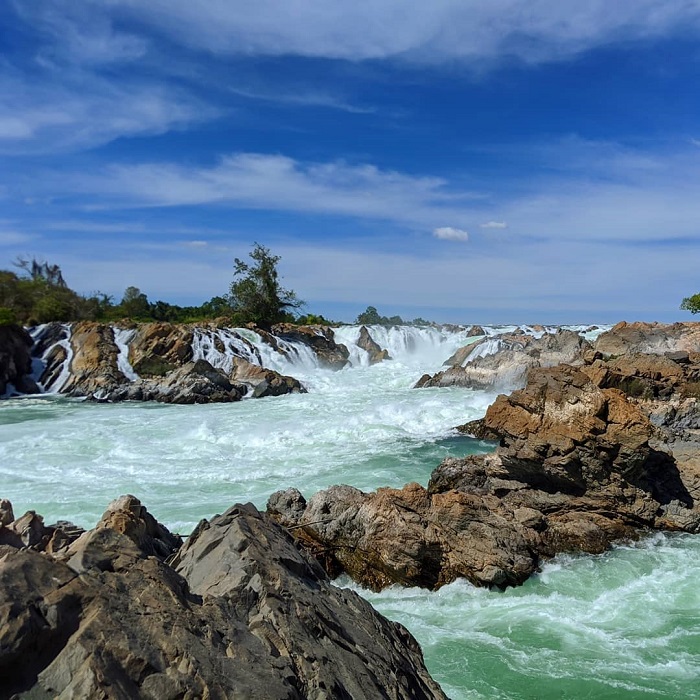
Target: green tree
column 256, row 294
column 134, row 303
column 370, row 316
column 691, row 304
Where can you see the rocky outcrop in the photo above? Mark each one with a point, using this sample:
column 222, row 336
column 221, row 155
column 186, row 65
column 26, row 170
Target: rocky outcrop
column 264, row 382
column 475, row 331
column 372, row 348
column 579, row 465
column 16, row 361
column 504, row 362
column 320, row 339
column 651, row 338
column 243, row 614
column 159, row 367
column 159, row 348
column 93, row 368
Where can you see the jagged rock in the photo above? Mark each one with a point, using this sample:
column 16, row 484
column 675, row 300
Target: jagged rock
column 508, row 367
column 375, row 352
column 94, row 369
column 320, row 339
column 475, row 330
column 15, row 359
column 250, row 616
column 651, row 338
column 6, row 513
column 578, row 467
column 159, row 348
column 264, row 382
column 194, row 382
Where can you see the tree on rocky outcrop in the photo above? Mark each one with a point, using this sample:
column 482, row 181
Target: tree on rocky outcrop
column 134, row 303
column 370, row 317
column 691, row 304
column 256, row 294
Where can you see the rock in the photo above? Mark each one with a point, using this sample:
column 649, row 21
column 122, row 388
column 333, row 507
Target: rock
column 579, row 466
column 320, row 339
column 94, row 370
column 475, row 330
column 15, row 360
column 159, row 348
column 6, row 513
column 194, row 382
column 249, row 616
column 264, row 382
column 504, row 362
column 652, row 338
column 375, row 352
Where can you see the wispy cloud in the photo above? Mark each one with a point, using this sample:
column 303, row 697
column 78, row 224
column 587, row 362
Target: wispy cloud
column 304, row 98
column 447, row 233
column 533, row 30
column 494, row 225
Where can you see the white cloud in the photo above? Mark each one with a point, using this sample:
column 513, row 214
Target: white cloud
column 447, row 233
column 494, row 224
column 533, row 30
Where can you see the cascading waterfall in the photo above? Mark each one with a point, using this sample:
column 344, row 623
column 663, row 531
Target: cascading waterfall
column 122, row 338
column 58, row 379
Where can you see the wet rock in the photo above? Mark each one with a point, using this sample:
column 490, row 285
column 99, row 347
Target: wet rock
column 320, row 339
column 375, row 352
column 507, row 368
column 159, row 348
column 15, row 359
column 579, row 465
column 264, row 382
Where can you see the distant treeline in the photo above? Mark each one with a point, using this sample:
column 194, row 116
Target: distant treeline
column 37, row 293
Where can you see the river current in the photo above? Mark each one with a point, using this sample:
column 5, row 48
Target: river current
column 625, row 624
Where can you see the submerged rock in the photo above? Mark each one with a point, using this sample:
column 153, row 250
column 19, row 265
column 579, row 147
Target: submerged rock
column 245, row 615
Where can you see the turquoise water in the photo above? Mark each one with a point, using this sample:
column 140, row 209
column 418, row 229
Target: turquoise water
column 622, row 625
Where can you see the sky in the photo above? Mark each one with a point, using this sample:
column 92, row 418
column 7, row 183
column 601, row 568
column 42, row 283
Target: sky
column 465, row 161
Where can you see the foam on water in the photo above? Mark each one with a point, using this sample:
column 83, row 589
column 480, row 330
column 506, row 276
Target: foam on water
column 625, row 624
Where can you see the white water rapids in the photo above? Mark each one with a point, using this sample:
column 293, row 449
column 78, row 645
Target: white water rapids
column 622, row 625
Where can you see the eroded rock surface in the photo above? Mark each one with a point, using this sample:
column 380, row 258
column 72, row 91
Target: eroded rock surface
column 320, row 339
column 509, row 359
column 245, row 615
column 375, row 352
column 580, row 464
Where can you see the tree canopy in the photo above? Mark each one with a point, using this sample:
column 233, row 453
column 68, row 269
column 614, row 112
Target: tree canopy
column 691, row 304
column 256, row 294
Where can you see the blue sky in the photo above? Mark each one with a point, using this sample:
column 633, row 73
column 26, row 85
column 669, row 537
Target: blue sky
column 461, row 160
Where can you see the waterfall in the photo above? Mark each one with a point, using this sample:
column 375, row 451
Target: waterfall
column 59, row 376
column 122, row 338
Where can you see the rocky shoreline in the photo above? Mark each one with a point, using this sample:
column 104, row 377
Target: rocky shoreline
column 587, row 455
column 126, row 611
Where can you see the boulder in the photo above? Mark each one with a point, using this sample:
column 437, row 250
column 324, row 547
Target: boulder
column 247, row 615
column 475, row 330
column 320, row 339
column 15, row 360
column 159, row 348
column 504, row 362
column 264, row 382
column 373, row 350
column 652, row 338
column 93, row 369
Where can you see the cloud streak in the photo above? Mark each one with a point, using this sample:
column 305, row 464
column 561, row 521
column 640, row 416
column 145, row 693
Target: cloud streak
column 447, row 233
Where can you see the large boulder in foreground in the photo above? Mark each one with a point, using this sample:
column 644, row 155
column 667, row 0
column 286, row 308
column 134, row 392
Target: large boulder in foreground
column 245, row 615
column 578, row 467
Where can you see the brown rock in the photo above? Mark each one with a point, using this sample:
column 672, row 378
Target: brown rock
column 159, row 348
column 375, row 352
column 320, row 339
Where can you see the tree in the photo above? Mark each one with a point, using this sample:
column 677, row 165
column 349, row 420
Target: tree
column 256, row 294
column 691, row 304
column 134, row 303
column 369, row 317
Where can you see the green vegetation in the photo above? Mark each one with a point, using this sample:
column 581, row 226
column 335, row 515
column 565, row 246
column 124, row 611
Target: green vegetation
column 691, row 304
column 38, row 293
column 256, row 294
column 370, row 317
